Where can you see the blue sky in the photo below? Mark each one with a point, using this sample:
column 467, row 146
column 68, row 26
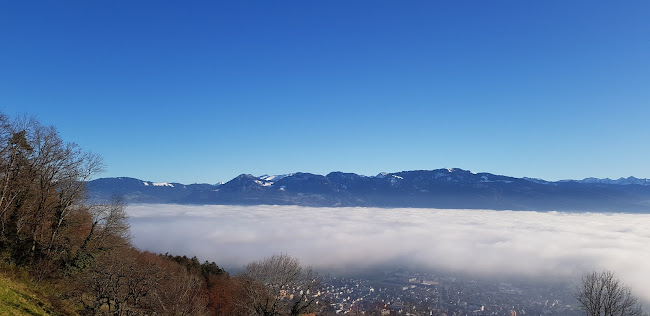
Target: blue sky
column 204, row 91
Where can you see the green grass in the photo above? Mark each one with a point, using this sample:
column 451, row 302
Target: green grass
column 18, row 298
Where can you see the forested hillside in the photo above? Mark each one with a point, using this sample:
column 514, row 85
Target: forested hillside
column 82, row 253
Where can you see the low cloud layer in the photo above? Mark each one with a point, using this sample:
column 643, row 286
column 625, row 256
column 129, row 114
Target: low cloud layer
column 528, row 244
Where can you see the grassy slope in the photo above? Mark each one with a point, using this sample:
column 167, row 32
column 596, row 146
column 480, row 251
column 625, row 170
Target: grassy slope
column 17, row 298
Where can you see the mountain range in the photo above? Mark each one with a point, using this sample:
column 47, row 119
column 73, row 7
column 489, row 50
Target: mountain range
column 440, row 188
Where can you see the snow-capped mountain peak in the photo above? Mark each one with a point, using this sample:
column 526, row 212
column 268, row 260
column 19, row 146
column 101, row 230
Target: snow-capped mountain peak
column 382, row 175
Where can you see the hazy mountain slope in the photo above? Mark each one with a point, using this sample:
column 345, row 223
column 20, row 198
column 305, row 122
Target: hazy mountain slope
column 135, row 190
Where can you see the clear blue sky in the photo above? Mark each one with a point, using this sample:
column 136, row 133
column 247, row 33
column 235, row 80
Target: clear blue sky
column 192, row 91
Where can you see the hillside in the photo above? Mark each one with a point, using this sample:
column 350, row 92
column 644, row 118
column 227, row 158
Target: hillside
column 21, row 298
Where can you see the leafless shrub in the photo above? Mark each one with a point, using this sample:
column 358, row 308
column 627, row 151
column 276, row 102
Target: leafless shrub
column 602, row 294
column 279, row 285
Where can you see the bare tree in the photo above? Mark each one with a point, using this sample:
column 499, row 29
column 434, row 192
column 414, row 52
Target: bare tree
column 108, row 220
column 125, row 281
column 179, row 293
column 107, row 228
column 118, row 282
column 227, row 296
column 279, row 285
column 42, row 178
column 602, row 294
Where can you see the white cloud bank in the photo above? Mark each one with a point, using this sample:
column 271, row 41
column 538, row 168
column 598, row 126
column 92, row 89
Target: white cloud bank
column 531, row 244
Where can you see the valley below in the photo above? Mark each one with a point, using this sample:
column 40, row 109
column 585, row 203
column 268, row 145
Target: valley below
column 418, row 254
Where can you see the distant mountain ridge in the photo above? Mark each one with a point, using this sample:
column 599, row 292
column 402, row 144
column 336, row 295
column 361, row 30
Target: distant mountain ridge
column 619, row 181
column 439, row 188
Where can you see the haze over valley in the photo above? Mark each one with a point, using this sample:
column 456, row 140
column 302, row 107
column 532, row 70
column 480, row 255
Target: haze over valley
column 432, row 226
column 532, row 245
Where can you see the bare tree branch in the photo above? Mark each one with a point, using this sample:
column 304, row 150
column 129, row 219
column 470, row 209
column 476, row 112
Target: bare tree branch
column 602, row 294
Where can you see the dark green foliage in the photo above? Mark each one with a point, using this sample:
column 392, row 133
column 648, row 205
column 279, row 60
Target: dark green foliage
column 205, row 269
column 19, row 140
column 79, row 263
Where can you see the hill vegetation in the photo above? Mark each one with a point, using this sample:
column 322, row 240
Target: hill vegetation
column 82, row 254
column 19, row 298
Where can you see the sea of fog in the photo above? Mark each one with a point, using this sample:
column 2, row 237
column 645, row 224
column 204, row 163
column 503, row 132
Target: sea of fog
column 546, row 245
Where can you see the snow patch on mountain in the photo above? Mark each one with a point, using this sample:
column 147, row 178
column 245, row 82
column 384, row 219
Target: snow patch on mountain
column 264, row 184
column 536, row 180
column 162, row 184
column 276, row 177
column 157, row 184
